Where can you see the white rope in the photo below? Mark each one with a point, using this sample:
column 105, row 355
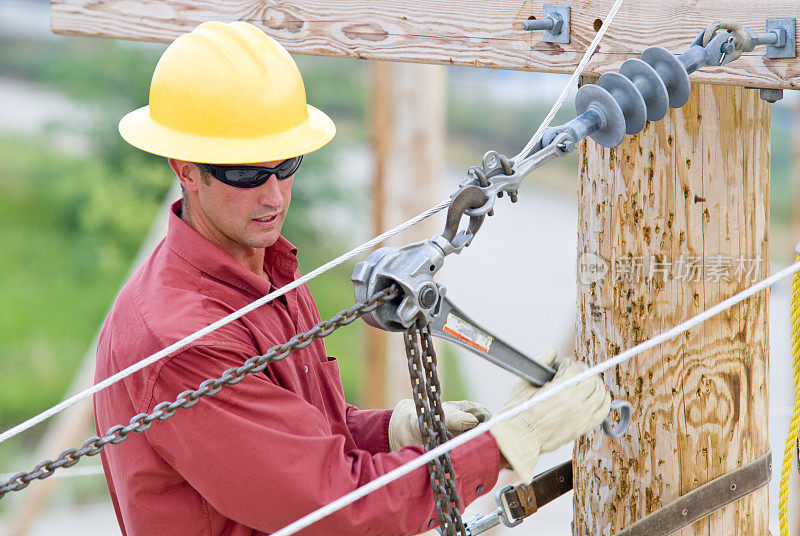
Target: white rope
column 459, row 440
column 33, row 421
column 571, row 83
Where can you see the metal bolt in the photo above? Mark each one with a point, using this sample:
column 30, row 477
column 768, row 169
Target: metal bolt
column 775, row 37
column 428, row 296
column 552, row 23
column 770, row 95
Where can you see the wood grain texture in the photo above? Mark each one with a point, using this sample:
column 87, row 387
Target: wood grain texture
column 471, row 32
column 693, row 187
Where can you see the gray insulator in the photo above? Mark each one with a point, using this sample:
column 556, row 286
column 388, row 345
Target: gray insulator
column 650, row 86
column 629, row 99
column 672, row 72
column 693, row 59
column 610, row 122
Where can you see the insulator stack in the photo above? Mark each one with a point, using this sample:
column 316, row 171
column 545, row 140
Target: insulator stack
column 621, row 103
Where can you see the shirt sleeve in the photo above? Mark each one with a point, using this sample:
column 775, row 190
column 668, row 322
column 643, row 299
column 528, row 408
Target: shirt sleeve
column 370, row 428
column 264, row 457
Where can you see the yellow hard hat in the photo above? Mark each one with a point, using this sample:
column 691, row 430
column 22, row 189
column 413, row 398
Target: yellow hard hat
column 227, row 94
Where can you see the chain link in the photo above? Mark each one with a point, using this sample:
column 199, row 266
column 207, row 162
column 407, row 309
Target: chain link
column 426, row 391
column 164, row 410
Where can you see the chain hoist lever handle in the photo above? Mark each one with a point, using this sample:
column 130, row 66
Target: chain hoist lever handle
column 452, row 324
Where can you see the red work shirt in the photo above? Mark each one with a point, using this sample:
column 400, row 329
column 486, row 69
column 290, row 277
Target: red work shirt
column 264, row 452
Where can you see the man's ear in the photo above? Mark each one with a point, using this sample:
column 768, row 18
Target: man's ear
column 187, row 172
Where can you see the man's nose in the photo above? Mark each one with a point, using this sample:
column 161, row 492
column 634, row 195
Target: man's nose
column 270, row 193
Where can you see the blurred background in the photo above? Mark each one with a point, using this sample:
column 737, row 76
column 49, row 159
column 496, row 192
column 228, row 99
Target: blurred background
column 77, row 202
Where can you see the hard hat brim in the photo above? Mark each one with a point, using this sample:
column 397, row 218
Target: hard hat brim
column 138, row 129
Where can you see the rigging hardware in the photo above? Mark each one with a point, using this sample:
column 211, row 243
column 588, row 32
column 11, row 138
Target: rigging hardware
column 554, row 23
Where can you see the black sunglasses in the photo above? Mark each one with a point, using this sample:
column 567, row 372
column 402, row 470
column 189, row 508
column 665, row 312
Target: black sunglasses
column 252, row 176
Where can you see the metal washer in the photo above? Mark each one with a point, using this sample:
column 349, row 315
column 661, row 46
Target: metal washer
column 672, row 72
column 650, row 85
column 629, row 99
column 613, row 132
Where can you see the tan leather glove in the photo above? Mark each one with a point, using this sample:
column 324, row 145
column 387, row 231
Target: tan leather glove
column 552, row 422
column 458, row 417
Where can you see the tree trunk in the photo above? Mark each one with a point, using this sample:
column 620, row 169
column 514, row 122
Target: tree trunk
column 672, row 222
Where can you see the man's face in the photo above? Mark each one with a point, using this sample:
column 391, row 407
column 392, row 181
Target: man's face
column 240, row 218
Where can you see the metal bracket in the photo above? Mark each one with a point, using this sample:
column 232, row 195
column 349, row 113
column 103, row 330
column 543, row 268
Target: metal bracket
column 554, row 22
column 785, row 47
column 704, row 500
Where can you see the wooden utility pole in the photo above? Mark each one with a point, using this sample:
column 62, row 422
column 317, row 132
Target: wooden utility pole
column 374, row 388
column 680, row 214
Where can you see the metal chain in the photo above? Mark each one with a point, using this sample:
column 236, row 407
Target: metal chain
column 164, row 410
column 430, row 415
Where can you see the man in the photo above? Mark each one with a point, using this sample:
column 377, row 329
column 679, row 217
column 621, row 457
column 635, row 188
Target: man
column 228, row 110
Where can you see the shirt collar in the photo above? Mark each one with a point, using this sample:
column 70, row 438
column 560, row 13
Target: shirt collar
column 280, row 259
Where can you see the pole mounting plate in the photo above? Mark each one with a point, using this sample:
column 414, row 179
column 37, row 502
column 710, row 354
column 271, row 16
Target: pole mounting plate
column 788, row 50
column 557, row 12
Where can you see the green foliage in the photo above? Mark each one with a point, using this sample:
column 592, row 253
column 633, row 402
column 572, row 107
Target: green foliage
column 69, row 227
